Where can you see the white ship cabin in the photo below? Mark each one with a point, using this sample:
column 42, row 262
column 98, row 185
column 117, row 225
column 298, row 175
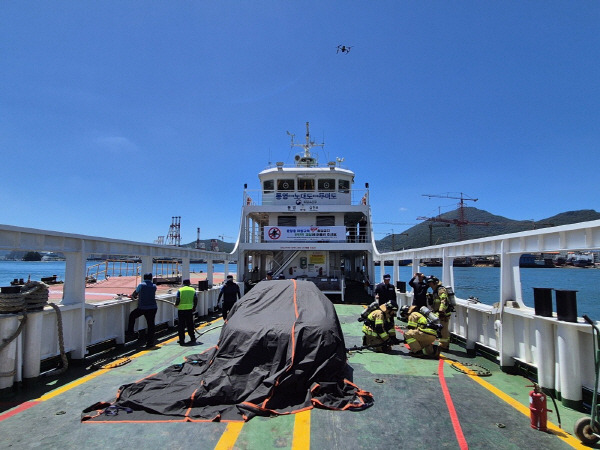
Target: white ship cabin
column 307, row 222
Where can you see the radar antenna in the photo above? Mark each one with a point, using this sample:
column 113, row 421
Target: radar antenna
column 307, row 159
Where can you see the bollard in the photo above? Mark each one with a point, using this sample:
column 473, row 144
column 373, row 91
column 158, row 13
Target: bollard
column 8, row 356
column 32, row 342
column 542, row 300
column 566, row 305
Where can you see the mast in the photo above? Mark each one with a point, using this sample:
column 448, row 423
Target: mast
column 307, row 160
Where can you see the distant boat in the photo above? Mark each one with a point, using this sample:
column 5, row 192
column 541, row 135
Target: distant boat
column 529, row 260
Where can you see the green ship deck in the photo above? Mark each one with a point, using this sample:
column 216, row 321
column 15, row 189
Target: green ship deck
column 419, row 403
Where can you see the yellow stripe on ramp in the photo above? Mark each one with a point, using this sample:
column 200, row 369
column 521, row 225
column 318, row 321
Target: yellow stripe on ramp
column 229, row 436
column 301, row 439
column 558, row 432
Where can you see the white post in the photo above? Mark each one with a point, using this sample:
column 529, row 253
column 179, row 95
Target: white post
column 544, row 352
column 209, row 271
column 74, row 294
column 568, row 362
column 32, row 342
column 147, row 266
column 185, row 269
column 8, row 325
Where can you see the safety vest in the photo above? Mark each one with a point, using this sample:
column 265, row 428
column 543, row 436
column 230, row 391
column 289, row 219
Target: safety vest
column 419, row 321
column 441, row 301
column 377, row 325
column 186, row 298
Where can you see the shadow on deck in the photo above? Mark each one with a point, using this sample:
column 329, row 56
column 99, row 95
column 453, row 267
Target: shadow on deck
column 355, row 294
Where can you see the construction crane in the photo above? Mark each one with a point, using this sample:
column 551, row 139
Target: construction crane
column 174, row 234
column 460, row 223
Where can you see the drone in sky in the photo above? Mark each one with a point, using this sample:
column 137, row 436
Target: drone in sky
column 343, row 49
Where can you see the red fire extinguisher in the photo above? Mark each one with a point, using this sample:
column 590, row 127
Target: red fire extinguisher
column 538, row 410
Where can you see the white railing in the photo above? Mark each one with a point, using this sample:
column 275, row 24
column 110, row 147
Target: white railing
column 562, row 352
column 85, row 324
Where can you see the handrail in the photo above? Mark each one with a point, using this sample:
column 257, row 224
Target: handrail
column 126, row 267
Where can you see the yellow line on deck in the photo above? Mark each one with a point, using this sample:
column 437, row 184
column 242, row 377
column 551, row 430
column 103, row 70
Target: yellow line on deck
column 99, row 372
column 301, row 439
column 560, row 433
column 229, row 436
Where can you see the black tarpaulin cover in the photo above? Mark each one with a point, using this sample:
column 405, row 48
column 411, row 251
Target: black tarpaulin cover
column 281, row 351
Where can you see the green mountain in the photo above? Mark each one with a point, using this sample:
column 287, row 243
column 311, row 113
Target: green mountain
column 446, row 230
column 223, row 246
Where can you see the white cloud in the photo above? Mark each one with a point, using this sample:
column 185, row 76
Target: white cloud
column 117, row 144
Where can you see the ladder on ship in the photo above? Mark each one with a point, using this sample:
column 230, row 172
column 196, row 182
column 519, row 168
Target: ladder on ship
column 278, row 267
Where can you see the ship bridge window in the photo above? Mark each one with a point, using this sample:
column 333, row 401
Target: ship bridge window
column 344, row 186
column 286, row 221
column 325, row 221
column 306, row 184
column 326, row 184
column 268, row 186
column 285, row 185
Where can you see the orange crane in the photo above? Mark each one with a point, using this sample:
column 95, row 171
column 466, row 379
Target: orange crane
column 461, row 222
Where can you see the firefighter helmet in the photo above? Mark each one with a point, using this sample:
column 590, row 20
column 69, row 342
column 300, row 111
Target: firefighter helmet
column 432, row 279
column 404, row 311
column 391, row 306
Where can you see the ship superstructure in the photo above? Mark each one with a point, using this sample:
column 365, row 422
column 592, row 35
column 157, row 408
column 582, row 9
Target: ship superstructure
column 307, row 222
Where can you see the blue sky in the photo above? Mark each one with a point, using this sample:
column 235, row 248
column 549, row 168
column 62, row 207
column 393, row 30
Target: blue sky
column 116, row 116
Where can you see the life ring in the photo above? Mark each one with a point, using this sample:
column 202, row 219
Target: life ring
column 364, row 200
column 248, row 200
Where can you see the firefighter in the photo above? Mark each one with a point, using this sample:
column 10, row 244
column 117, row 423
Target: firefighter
column 441, row 307
column 421, row 333
column 378, row 328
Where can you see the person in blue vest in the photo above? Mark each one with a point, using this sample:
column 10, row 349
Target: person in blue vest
column 145, row 292
column 230, row 293
column 186, row 303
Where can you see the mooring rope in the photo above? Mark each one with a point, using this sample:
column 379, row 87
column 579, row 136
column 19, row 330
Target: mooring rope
column 33, row 296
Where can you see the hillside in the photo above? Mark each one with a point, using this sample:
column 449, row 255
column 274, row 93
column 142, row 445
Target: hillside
column 223, row 246
column 443, row 233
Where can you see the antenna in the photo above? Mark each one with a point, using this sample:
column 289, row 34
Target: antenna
column 308, row 160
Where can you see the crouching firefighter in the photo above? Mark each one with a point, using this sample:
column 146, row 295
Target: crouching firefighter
column 378, row 328
column 442, row 308
column 422, row 331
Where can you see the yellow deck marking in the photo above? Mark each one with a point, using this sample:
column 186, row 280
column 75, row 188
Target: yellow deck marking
column 99, row 372
column 560, row 433
column 229, row 436
column 301, row 439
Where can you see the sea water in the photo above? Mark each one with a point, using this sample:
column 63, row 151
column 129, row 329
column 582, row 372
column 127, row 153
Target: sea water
column 484, row 283
column 9, row 270
column 480, row 282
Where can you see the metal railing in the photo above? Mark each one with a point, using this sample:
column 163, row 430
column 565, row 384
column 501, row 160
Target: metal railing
column 128, row 268
column 112, row 268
